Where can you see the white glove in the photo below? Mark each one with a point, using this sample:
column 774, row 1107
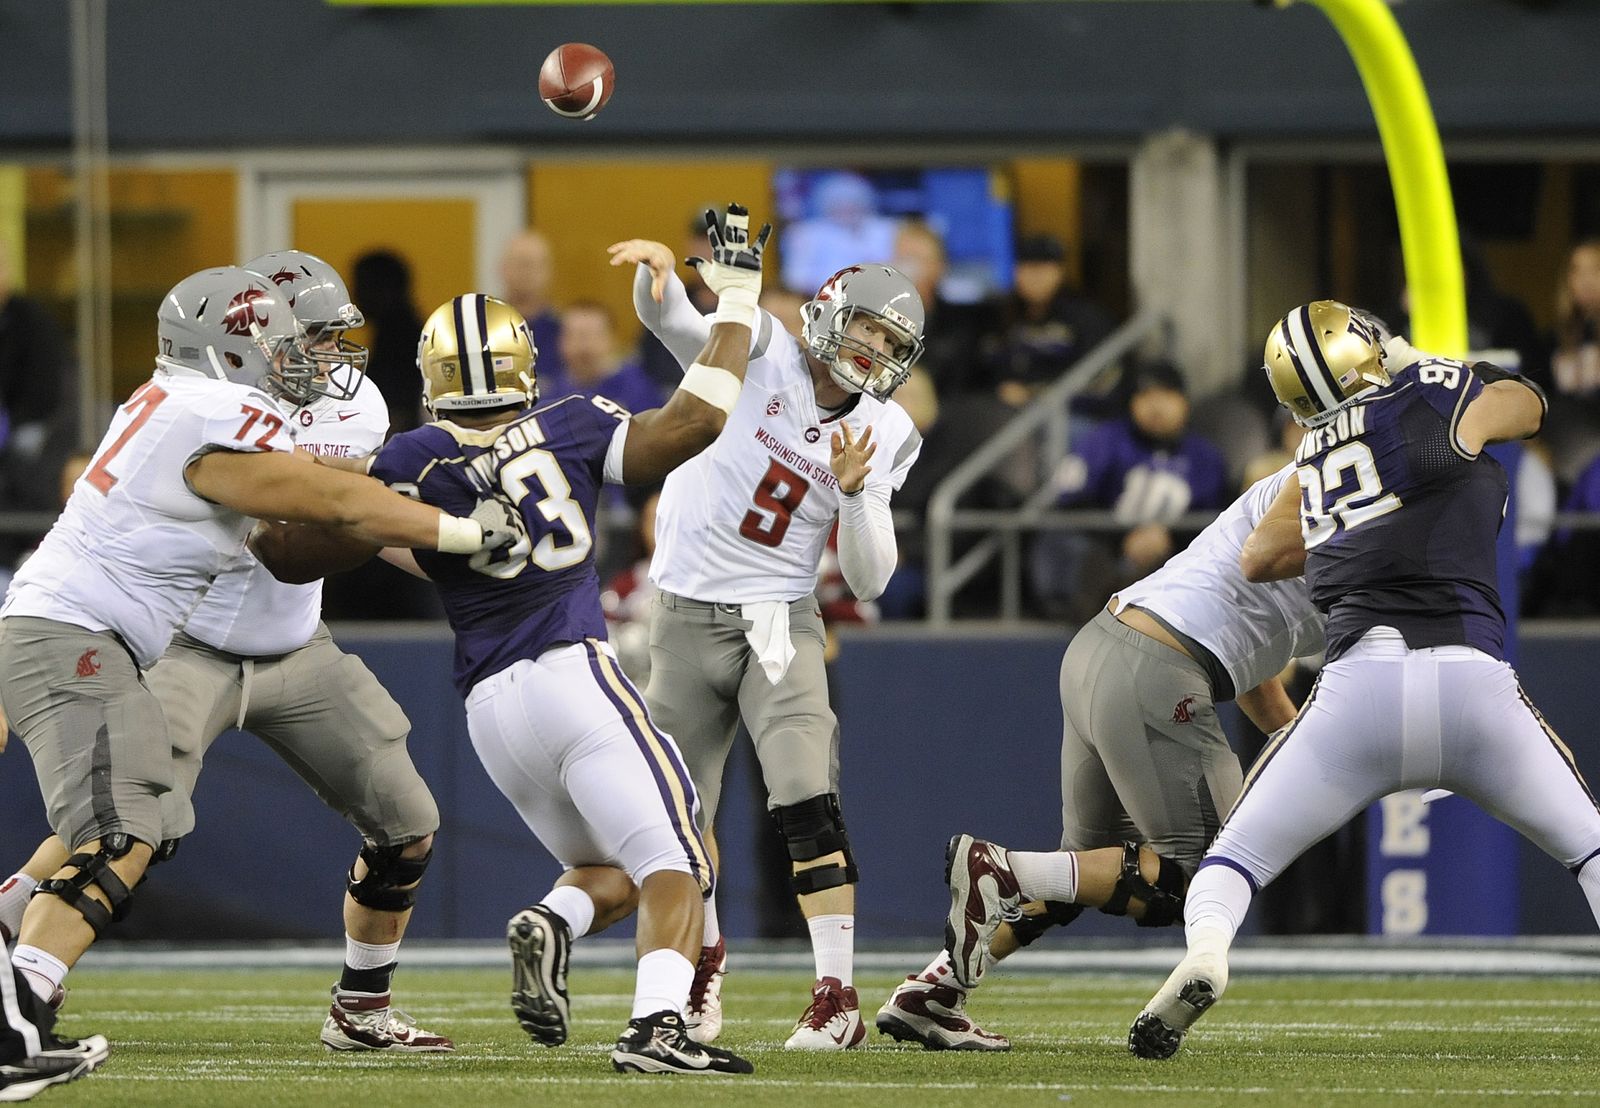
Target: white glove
column 734, row 271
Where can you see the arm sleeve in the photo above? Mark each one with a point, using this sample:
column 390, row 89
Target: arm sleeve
column 679, row 324
column 867, row 551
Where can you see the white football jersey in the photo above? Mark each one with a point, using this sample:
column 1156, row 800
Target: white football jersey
column 247, row 610
column 1254, row 630
column 747, row 518
column 135, row 546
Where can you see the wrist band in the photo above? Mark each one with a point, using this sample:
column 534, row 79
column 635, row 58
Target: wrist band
column 737, row 304
column 459, row 536
column 713, row 384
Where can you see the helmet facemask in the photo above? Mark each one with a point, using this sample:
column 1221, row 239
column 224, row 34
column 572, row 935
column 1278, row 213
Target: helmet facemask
column 855, row 364
column 332, row 366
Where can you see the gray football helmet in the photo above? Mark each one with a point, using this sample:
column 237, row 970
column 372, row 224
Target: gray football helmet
column 882, row 294
column 321, row 302
column 230, row 324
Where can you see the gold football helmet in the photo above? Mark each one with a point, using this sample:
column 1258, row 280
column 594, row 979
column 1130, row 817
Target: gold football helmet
column 476, row 352
column 1322, row 356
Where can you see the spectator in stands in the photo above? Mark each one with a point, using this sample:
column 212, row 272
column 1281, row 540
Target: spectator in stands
column 1496, row 321
column 1148, row 469
column 845, row 229
column 954, row 334
column 527, row 273
column 1575, row 344
column 381, row 288
column 36, row 374
column 1048, row 325
column 659, row 364
column 592, row 364
column 1570, row 572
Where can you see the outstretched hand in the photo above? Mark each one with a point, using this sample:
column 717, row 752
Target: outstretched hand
column 655, row 256
column 850, row 458
column 735, row 262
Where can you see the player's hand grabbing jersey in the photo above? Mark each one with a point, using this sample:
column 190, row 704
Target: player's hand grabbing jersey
column 247, row 610
column 549, row 464
column 1399, row 520
column 136, row 546
column 748, row 518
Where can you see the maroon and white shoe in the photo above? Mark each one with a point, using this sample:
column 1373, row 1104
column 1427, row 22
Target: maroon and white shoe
column 934, row 1014
column 365, row 1021
column 982, row 890
column 832, row 1021
column 703, row 1016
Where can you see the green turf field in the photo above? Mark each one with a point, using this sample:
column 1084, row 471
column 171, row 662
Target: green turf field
column 249, row 1037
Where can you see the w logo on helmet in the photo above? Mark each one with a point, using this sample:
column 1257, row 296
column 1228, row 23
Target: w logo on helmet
column 242, row 314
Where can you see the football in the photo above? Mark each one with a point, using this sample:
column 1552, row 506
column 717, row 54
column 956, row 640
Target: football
column 576, row 80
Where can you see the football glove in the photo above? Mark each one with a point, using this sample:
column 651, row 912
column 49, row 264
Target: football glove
column 734, row 270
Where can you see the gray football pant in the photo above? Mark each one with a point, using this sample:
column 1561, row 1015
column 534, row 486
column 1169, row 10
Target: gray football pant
column 1143, row 755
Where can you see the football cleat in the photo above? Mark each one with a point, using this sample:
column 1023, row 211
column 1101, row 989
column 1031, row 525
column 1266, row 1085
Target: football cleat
column 65, row 1060
column 660, row 1043
column 934, row 1014
column 365, row 1021
column 982, row 890
column 703, row 1016
column 1188, row 994
column 832, row 1021
column 541, row 943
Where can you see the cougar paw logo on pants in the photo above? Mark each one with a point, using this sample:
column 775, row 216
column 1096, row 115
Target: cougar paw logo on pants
column 89, row 663
column 1184, row 712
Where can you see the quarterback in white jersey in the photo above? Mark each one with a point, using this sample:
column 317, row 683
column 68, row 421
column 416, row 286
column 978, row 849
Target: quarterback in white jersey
column 164, row 506
column 740, row 531
column 1144, row 762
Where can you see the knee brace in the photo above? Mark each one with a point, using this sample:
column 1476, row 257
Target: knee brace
column 813, row 829
column 165, row 852
column 390, row 883
column 1163, row 900
column 1035, row 918
column 92, row 870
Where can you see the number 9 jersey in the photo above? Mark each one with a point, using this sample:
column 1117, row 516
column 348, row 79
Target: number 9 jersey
column 747, row 518
column 1400, row 520
column 544, row 590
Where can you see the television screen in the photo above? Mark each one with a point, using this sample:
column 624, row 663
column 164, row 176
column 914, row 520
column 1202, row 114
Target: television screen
column 834, row 217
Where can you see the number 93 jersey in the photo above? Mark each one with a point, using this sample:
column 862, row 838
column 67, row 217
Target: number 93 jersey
column 136, row 547
column 543, row 591
column 1399, row 519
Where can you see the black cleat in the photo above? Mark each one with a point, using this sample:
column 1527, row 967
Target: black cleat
column 1154, row 1039
column 660, row 1043
column 65, row 1060
column 540, row 943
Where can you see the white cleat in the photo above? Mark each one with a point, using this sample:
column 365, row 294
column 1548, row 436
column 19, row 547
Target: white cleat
column 703, row 1016
column 831, row 1022
column 1188, row 994
column 365, row 1021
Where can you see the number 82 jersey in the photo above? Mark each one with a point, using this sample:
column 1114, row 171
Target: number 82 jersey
column 1399, row 520
column 550, row 464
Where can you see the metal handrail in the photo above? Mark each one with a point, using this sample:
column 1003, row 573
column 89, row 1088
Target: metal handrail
column 1047, row 411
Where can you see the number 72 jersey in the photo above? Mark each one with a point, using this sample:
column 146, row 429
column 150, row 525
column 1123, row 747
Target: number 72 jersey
column 1399, row 520
column 136, row 547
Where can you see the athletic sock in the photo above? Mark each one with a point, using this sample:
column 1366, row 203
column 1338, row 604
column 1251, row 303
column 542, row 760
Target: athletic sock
column 712, row 933
column 43, row 970
column 663, row 983
column 1218, row 898
column 833, row 944
column 14, row 896
column 938, row 971
column 368, row 967
column 1045, row 875
column 573, row 905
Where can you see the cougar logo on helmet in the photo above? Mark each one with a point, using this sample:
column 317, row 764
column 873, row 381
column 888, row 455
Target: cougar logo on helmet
column 242, row 315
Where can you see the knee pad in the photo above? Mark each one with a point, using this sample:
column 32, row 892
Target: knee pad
column 811, row 829
column 165, row 852
column 1163, row 899
column 93, row 870
column 390, row 883
column 1030, row 924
